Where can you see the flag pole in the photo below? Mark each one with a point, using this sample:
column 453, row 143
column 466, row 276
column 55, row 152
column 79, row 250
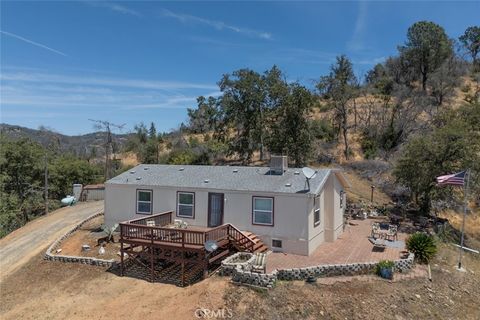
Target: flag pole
column 465, row 205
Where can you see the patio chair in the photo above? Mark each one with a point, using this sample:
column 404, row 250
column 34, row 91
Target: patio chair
column 177, row 223
column 260, row 263
column 150, row 223
column 376, row 231
column 379, row 245
column 392, row 233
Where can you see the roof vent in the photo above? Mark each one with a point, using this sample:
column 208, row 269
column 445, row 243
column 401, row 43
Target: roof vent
column 139, row 178
column 132, row 172
column 206, row 181
column 296, row 173
column 146, row 168
column 235, row 170
column 278, row 164
column 181, row 169
column 288, row 184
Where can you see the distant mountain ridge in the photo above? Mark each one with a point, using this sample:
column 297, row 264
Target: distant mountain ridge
column 81, row 145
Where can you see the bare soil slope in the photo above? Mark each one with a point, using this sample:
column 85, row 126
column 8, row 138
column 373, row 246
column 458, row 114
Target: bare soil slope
column 53, row 290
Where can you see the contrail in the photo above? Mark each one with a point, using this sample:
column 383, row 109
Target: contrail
column 32, row 42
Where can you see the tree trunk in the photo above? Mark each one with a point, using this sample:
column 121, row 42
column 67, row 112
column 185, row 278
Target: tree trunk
column 345, row 140
column 355, row 113
column 424, row 80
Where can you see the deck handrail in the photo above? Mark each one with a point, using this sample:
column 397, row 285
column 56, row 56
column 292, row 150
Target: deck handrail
column 242, row 236
column 149, row 217
column 131, row 230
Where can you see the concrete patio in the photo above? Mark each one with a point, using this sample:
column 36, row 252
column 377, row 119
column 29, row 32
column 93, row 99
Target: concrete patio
column 353, row 246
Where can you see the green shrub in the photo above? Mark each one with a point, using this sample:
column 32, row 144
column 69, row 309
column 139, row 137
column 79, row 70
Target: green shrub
column 387, row 264
column 369, row 146
column 322, row 129
column 423, row 246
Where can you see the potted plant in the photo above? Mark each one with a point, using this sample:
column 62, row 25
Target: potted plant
column 385, row 269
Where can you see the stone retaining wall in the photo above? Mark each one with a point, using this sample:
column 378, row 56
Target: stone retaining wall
column 49, row 255
column 229, row 265
column 242, row 274
column 263, row 280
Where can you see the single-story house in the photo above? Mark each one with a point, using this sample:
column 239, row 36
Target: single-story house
column 287, row 211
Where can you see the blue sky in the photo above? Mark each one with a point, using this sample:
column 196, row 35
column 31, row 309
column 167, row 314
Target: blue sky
column 65, row 62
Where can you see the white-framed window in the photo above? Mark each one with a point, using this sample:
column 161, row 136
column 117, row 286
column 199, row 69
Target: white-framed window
column 263, row 211
column 342, row 195
column 276, row 244
column 316, row 212
column 144, row 201
column 186, row 204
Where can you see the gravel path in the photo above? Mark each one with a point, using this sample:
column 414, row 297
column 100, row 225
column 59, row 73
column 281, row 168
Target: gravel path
column 24, row 243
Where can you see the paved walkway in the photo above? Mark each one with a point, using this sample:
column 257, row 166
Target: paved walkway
column 24, row 243
column 352, row 246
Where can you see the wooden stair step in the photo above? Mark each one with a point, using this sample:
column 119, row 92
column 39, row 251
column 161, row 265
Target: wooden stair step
column 223, row 242
column 218, row 256
column 261, row 249
column 258, row 245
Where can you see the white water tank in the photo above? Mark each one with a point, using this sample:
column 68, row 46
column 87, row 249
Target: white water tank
column 77, row 190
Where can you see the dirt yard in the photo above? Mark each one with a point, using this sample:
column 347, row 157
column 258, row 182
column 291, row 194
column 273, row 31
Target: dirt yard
column 54, row 290
column 88, row 234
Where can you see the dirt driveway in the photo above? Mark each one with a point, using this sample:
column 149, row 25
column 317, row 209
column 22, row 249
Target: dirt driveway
column 20, row 246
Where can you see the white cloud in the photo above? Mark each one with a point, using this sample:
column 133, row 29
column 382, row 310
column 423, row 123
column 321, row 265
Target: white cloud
column 114, row 7
column 99, row 81
column 372, row 61
column 219, row 25
column 357, row 39
column 43, row 90
column 32, row 42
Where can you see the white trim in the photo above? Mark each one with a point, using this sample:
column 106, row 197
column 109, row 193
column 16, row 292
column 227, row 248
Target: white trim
column 138, row 211
column 264, row 211
column 317, row 201
column 185, row 204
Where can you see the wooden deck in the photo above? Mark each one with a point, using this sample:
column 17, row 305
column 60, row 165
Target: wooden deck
column 153, row 240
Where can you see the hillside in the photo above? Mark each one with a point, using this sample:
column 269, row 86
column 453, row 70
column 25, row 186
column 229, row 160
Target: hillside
column 80, row 145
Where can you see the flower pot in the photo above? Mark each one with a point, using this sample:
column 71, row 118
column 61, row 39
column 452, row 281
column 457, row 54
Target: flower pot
column 386, row 273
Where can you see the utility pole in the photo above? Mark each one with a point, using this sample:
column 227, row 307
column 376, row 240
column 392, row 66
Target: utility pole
column 107, row 127
column 371, row 195
column 53, row 144
column 46, row 183
column 465, row 205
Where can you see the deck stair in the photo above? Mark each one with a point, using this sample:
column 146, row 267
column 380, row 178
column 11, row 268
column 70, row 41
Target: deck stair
column 246, row 241
column 259, row 246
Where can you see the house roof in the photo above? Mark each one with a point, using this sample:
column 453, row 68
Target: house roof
column 234, row 178
column 94, row 186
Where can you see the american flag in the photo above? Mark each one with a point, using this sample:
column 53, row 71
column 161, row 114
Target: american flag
column 455, row 179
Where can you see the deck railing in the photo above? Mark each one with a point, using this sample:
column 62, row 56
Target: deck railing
column 156, row 231
column 158, row 219
column 239, row 237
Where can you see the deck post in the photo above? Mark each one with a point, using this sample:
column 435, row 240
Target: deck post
column 183, row 259
column 121, row 251
column 205, row 267
column 151, row 256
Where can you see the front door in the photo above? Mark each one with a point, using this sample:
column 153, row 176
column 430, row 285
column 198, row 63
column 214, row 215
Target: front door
column 215, row 209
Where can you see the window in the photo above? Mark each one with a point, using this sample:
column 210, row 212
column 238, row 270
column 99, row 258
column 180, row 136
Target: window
column 342, row 194
column 144, row 201
column 186, row 204
column 263, row 211
column 316, row 213
column 277, row 244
